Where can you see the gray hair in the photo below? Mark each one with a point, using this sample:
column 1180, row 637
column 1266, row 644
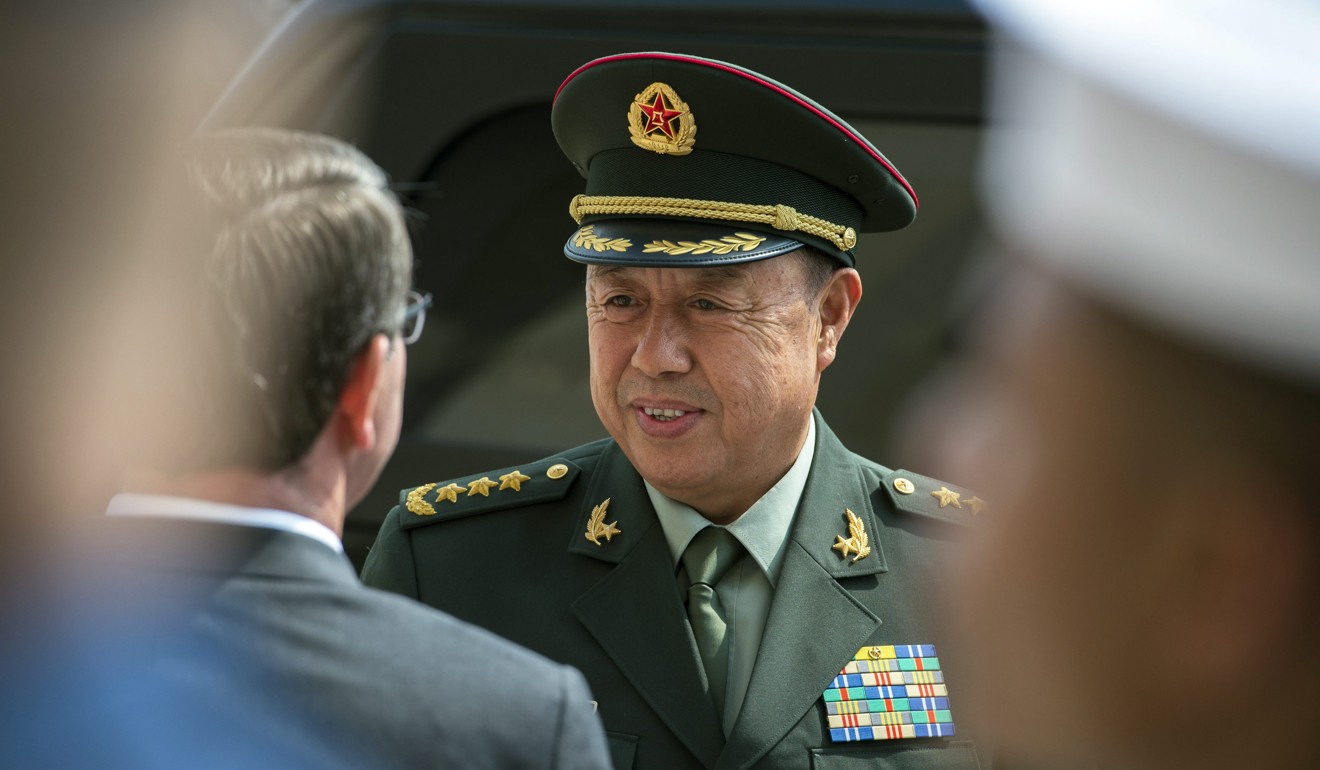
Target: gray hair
column 297, row 254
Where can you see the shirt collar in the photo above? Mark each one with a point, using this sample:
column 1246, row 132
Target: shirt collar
column 192, row 509
column 763, row 529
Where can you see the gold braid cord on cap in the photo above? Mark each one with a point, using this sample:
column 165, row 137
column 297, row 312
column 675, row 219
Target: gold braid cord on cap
column 778, row 216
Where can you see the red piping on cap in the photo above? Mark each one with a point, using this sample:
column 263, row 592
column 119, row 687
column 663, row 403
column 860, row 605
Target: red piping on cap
column 773, row 87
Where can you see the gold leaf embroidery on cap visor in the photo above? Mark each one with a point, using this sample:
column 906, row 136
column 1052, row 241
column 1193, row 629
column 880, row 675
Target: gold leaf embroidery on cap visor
column 586, row 238
column 725, row 245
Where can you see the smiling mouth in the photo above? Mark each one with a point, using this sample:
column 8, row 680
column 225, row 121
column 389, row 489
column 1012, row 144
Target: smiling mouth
column 663, row 415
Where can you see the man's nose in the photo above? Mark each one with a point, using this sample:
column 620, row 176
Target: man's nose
column 662, row 347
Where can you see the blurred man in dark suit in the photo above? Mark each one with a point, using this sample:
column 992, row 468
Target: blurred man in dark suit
column 271, row 357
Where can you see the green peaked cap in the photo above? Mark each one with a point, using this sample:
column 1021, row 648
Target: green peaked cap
column 697, row 162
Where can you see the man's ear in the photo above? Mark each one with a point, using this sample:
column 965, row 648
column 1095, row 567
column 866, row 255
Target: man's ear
column 838, row 301
column 357, row 401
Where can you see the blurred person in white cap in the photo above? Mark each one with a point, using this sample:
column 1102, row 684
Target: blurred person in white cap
column 1141, row 403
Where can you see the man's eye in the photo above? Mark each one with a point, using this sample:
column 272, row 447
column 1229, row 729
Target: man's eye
column 705, row 304
column 620, row 300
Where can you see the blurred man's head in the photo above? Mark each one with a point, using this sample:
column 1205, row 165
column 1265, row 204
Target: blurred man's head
column 1145, row 395
column 288, row 288
column 1154, row 541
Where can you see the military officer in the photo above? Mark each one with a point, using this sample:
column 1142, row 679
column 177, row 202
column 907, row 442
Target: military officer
column 739, row 589
column 1149, row 379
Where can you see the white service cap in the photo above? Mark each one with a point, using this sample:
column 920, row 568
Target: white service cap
column 1165, row 155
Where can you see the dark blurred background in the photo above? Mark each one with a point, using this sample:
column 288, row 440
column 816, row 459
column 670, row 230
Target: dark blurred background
column 453, row 100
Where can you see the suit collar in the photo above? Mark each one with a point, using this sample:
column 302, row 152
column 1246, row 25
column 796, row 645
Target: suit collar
column 194, row 509
column 201, row 547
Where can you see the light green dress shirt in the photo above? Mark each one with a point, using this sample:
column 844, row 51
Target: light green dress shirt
column 747, row 590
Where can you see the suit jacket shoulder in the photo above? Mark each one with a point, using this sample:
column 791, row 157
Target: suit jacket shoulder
column 394, row 683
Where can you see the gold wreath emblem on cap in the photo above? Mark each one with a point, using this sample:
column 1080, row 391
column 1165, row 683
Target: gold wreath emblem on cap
column 661, row 122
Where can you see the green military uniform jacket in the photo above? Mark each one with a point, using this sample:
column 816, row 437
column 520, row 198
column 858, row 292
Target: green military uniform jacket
column 517, row 560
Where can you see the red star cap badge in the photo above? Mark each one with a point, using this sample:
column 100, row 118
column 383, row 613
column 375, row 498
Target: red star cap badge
column 659, row 116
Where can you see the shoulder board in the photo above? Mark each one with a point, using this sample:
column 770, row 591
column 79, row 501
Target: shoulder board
column 537, row 482
column 914, row 493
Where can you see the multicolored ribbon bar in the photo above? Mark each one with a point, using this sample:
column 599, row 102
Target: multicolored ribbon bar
column 887, row 692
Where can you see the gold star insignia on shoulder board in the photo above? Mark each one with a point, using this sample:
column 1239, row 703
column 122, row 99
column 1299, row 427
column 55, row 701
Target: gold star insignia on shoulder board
column 480, row 487
column 976, row 504
column 857, row 541
column 513, row 481
column 448, row 492
column 947, row 497
column 416, row 504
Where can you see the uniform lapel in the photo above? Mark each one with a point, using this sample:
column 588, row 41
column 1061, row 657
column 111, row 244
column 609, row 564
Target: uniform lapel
column 815, row 625
column 636, row 614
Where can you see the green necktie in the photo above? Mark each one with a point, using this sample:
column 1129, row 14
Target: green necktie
column 710, row 555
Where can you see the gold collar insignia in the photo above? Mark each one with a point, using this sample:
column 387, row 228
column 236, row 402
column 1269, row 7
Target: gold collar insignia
column 596, row 526
column 857, row 541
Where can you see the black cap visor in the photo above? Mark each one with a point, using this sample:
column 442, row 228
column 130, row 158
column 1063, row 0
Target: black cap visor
column 673, row 243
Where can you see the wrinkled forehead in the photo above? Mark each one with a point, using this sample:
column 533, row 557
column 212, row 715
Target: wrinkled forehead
column 724, row 275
